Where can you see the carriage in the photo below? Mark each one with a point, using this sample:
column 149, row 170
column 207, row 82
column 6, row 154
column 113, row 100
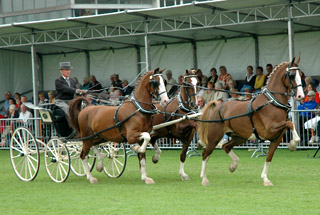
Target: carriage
column 61, row 151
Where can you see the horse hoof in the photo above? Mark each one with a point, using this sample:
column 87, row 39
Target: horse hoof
column 267, row 184
column 149, row 181
column 154, row 159
column 205, row 182
column 99, row 167
column 93, row 180
column 292, row 145
column 233, row 167
column 185, row 177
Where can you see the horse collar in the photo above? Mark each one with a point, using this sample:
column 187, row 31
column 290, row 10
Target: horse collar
column 274, row 100
column 181, row 105
column 141, row 109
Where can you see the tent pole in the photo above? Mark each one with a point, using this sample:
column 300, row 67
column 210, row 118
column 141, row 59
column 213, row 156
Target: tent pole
column 291, row 55
column 147, row 46
column 256, row 50
column 34, row 83
column 195, row 57
column 88, row 72
column 138, row 58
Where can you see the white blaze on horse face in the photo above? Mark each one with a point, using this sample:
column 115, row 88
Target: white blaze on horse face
column 300, row 93
column 162, row 92
column 194, row 82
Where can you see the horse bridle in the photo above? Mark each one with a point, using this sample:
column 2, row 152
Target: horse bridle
column 291, row 76
column 155, row 84
column 187, row 85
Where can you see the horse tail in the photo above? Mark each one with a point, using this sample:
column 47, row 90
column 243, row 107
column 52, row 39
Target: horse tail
column 203, row 126
column 75, row 107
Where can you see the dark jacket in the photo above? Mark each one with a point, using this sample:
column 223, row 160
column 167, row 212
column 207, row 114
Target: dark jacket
column 127, row 91
column 96, row 86
column 63, row 91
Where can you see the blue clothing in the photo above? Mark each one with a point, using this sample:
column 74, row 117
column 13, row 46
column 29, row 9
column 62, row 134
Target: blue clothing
column 309, row 105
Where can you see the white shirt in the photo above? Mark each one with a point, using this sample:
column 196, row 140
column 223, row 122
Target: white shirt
column 25, row 116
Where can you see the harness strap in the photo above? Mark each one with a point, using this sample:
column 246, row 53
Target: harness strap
column 250, row 114
column 116, row 119
column 221, row 118
column 141, row 109
column 274, row 100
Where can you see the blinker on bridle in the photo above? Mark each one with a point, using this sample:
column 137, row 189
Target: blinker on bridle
column 155, row 84
column 291, row 76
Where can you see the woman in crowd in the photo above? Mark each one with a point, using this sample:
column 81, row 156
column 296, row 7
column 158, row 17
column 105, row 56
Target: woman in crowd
column 250, row 79
column 219, row 96
column 86, row 84
column 260, row 78
column 51, row 97
column 214, row 77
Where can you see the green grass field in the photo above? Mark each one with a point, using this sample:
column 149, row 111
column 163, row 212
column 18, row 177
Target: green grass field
column 296, row 191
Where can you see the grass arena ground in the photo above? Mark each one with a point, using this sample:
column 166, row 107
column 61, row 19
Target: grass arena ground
column 295, row 176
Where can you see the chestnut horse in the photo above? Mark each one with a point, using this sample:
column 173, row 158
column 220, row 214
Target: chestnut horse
column 264, row 117
column 185, row 102
column 131, row 121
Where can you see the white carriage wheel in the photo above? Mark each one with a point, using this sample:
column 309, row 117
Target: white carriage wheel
column 115, row 159
column 57, row 160
column 76, row 162
column 24, row 154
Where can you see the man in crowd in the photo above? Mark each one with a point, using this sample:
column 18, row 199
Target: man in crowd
column 65, row 88
column 25, row 114
column 95, row 84
column 127, row 90
column 5, row 108
column 269, row 69
column 170, row 81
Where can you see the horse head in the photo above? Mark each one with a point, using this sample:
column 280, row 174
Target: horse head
column 190, row 81
column 157, row 87
column 292, row 79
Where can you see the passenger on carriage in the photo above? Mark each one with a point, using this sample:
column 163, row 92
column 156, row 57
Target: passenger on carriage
column 224, row 77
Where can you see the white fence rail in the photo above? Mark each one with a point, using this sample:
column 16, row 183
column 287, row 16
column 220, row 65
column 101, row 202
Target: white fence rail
column 45, row 131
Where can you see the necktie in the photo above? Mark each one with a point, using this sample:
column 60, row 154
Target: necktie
column 68, row 81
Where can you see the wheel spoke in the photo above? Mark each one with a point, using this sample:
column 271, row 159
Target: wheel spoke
column 115, row 164
column 64, row 163
column 121, row 164
column 33, row 158
column 61, row 175
column 30, row 161
column 29, row 168
column 17, row 149
column 17, row 142
column 17, row 156
column 62, row 167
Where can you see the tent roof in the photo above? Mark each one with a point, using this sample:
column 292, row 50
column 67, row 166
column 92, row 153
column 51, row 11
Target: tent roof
column 205, row 20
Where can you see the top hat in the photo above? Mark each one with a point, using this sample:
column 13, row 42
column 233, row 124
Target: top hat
column 65, row 65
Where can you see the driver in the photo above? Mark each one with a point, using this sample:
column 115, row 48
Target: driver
column 65, row 88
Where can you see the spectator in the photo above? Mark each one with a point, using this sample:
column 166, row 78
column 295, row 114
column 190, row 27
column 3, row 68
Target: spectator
column 234, row 96
column 201, row 102
column 214, row 77
column 219, row 96
column 24, row 99
column 6, row 105
column 116, row 81
column 202, row 78
column 13, row 112
column 269, row 69
column 310, row 87
column 247, row 95
column 250, row 79
column 11, row 102
column 224, row 77
column 95, row 85
column 231, row 84
column 260, row 79
column 42, row 98
column 127, row 90
column 17, row 96
column 208, row 94
column 318, row 88
column 312, row 124
column 170, row 81
column 25, row 114
column 18, row 105
column 307, row 80
column 86, row 84
column 308, row 105
column 115, row 96
column 51, row 97
column 7, row 129
column 78, row 85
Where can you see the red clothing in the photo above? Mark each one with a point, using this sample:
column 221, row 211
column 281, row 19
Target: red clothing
column 317, row 98
column 224, row 78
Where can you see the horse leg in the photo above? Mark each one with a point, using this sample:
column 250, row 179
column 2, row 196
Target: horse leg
column 212, row 143
column 183, row 175
column 228, row 149
column 296, row 139
column 264, row 175
column 157, row 152
column 99, row 165
column 84, row 156
column 142, row 164
column 145, row 136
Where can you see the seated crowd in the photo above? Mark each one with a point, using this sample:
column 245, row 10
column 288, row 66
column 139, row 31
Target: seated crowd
column 254, row 82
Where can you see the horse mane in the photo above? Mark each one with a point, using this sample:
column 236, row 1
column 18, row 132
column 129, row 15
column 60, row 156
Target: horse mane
column 139, row 80
column 274, row 71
